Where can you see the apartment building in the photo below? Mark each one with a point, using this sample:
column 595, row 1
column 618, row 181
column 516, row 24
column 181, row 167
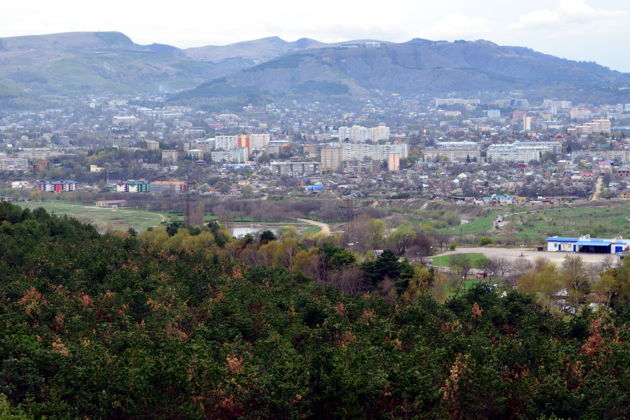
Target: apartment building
column 454, row 151
column 521, row 151
column 238, row 155
column 168, row 187
column 295, row 168
column 57, row 186
column 170, row 156
column 331, row 158
column 13, row 164
column 359, row 151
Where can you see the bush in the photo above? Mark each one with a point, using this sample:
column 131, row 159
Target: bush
column 485, row 240
column 453, row 246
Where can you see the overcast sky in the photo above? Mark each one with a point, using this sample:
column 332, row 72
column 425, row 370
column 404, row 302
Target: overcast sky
column 592, row 30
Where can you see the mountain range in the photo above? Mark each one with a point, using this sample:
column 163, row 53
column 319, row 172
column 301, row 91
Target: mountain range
column 37, row 69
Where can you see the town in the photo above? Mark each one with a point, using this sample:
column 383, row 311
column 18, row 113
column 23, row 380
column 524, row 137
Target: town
column 450, row 149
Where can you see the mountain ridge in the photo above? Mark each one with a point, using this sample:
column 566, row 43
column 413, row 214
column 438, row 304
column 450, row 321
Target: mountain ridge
column 69, row 64
column 419, row 66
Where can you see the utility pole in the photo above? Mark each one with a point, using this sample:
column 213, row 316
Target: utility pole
column 108, row 172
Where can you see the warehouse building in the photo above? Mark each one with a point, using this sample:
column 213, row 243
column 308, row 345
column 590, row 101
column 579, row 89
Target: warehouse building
column 586, row 244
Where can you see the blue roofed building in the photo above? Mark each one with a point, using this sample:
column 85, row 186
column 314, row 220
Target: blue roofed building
column 586, row 244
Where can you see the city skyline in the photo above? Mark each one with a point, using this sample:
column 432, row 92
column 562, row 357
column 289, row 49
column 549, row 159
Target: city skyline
column 574, row 29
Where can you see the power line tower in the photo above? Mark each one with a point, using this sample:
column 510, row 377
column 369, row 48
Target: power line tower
column 194, row 211
column 348, row 207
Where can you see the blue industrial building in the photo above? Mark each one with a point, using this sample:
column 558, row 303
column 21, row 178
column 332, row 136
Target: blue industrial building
column 586, row 244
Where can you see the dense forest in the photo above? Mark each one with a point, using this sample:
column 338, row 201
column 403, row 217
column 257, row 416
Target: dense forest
column 191, row 323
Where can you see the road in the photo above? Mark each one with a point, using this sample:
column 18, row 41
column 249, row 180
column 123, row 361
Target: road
column 512, row 254
column 325, row 228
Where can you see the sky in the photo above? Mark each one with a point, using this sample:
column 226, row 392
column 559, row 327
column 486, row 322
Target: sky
column 587, row 30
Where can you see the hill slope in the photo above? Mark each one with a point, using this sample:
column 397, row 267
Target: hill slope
column 186, row 326
column 97, row 62
column 415, row 67
column 256, row 51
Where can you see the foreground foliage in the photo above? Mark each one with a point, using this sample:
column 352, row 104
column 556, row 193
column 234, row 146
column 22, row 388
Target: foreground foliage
column 116, row 327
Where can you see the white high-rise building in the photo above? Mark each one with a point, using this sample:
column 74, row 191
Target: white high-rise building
column 525, row 151
column 379, row 133
column 359, row 151
column 356, row 133
column 237, row 155
column 259, row 141
column 454, row 151
column 226, row 142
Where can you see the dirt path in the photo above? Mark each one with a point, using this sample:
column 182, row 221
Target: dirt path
column 325, row 228
column 598, row 189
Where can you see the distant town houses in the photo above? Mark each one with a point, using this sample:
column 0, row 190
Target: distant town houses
column 132, row 186
column 450, row 148
column 155, row 187
column 57, row 186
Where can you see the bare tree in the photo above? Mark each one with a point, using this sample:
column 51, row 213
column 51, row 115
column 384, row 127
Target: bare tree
column 461, row 263
column 349, row 279
column 574, row 277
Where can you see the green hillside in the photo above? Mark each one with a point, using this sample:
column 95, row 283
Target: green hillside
column 184, row 323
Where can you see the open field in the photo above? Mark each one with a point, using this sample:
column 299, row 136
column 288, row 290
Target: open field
column 104, row 219
column 608, row 222
column 476, row 260
column 514, row 254
column 475, row 227
column 121, row 219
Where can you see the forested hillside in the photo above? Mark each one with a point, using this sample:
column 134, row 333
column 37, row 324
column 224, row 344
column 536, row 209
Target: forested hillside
column 190, row 323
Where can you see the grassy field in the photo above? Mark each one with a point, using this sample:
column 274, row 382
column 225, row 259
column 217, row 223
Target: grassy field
column 475, row 227
column 103, row 219
column 311, row 230
column 608, row 222
column 476, row 260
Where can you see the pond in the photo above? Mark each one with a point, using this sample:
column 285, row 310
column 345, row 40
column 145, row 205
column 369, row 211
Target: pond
column 240, row 231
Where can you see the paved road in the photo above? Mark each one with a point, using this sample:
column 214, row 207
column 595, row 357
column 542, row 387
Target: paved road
column 325, row 228
column 512, row 254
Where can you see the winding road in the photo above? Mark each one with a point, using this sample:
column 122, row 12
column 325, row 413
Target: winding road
column 325, row 228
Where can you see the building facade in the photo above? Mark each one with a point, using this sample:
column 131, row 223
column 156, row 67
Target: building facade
column 521, row 151
column 295, row 168
column 132, row 186
column 330, row 159
column 13, row 164
column 586, row 244
column 454, row 151
column 57, row 186
column 168, row 187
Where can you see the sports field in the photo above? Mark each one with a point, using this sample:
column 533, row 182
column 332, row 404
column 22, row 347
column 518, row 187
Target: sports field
column 104, row 219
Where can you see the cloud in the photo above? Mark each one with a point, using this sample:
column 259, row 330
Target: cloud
column 457, row 26
column 568, row 12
